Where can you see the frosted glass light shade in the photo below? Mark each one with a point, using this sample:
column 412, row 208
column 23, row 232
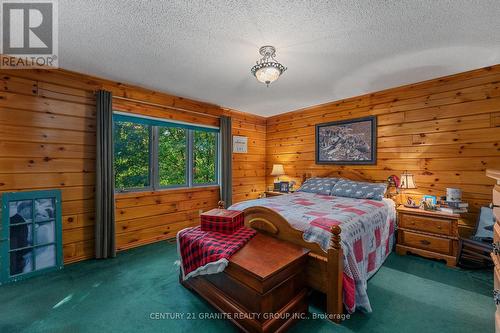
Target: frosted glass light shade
column 267, row 69
column 407, row 181
column 278, row 170
column 267, row 75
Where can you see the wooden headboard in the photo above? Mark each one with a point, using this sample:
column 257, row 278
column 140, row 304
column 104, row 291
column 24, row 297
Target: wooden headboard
column 348, row 174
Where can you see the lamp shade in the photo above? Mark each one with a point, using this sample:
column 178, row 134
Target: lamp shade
column 407, row 181
column 267, row 74
column 278, row 170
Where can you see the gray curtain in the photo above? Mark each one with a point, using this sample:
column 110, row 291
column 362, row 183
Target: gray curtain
column 226, row 190
column 105, row 181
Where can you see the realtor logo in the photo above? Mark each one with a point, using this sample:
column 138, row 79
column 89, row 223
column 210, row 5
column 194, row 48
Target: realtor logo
column 29, row 34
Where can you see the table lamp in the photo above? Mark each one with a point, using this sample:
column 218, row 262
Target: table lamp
column 277, row 171
column 408, row 182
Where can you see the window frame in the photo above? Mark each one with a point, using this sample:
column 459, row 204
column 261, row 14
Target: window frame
column 154, row 166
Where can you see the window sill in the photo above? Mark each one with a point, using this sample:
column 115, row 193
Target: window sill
column 148, row 192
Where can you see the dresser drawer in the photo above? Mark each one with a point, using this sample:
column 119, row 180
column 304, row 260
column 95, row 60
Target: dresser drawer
column 496, row 194
column 496, row 241
column 497, row 322
column 496, row 277
column 427, row 224
column 496, row 232
column 496, row 201
column 496, row 283
column 426, row 242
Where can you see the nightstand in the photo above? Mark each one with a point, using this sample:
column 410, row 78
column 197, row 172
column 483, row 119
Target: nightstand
column 275, row 193
column 431, row 234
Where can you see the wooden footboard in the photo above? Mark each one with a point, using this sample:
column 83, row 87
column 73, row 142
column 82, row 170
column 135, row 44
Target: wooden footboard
column 324, row 270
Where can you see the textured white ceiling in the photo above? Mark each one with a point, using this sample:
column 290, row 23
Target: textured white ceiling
column 333, row 49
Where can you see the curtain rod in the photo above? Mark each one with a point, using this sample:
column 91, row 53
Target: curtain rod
column 164, row 106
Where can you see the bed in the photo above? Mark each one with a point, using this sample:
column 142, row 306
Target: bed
column 349, row 239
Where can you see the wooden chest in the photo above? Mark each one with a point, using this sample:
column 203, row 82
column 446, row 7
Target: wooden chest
column 262, row 289
column 428, row 233
column 495, row 174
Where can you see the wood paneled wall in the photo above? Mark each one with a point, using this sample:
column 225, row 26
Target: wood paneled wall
column 47, row 140
column 249, row 169
column 143, row 218
column 445, row 131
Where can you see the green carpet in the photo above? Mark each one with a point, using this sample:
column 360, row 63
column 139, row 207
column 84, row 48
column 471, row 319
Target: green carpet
column 408, row 294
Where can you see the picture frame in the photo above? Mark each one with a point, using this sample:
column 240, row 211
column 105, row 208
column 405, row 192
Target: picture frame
column 345, row 142
column 430, row 199
column 32, row 227
column 240, row 144
column 284, row 187
column 277, row 186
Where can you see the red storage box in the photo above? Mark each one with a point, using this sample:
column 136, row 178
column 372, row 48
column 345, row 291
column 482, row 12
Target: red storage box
column 222, row 220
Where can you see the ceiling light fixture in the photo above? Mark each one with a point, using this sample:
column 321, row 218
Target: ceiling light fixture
column 267, row 69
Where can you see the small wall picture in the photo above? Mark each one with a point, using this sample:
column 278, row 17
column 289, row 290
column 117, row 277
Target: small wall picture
column 347, row 142
column 240, row 144
column 284, row 187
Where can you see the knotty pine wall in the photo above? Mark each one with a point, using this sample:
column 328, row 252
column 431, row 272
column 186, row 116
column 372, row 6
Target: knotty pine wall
column 47, row 141
column 249, row 170
column 445, row 131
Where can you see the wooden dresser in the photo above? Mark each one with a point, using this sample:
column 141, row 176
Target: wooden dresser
column 431, row 234
column 262, row 289
column 495, row 255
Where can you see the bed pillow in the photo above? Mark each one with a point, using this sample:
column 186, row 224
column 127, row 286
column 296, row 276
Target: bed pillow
column 318, row 185
column 359, row 190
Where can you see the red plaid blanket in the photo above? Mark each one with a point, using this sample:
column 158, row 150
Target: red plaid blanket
column 205, row 252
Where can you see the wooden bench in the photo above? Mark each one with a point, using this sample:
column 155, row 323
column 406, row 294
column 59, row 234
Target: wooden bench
column 263, row 289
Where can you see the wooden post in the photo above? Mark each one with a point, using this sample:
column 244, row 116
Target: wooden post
column 334, row 294
column 220, row 204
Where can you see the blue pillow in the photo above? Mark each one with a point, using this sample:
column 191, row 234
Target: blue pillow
column 318, row 185
column 359, row 190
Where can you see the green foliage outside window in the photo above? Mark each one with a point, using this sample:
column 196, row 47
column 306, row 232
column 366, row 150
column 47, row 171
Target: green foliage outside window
column 132, row 155
column 131, row 163
column 172, row 143
column 205, row 157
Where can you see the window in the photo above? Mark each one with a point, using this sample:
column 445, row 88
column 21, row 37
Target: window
column 172, row 156
column 132, row 151
column 205, row 158
column 154, row 154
